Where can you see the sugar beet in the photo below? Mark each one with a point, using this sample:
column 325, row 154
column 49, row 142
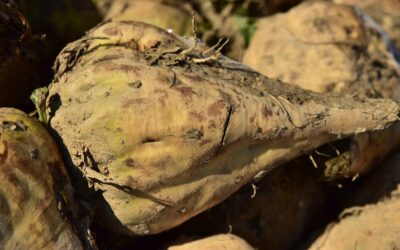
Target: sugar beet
column 35, row 192
column 164, row 130
column 340, row 49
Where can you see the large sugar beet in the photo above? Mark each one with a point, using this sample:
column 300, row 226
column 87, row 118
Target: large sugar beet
column 33, row 183
column 328, row 47
column 164, row 131
column 323, row 47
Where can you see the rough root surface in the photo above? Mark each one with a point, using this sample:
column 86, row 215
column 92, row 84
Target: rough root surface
column 164, row 131
column 34, row 187
column 327, row 47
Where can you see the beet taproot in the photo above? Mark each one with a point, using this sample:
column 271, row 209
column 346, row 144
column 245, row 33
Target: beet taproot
column 36, row 196
column 164, row 130
column 327, row 47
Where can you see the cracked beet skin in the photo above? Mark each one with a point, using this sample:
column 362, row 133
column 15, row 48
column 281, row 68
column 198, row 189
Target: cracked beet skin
column 160, row 130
